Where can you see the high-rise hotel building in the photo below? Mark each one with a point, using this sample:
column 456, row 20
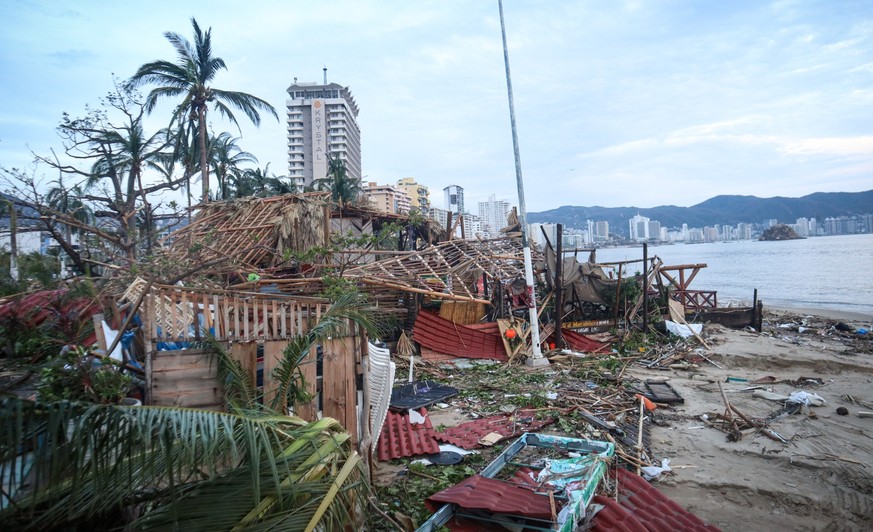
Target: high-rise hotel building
column 322, row 121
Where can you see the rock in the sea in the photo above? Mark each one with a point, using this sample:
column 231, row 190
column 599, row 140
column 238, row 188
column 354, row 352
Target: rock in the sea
column 779, row 232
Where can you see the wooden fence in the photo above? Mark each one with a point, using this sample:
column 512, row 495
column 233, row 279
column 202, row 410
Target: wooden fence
column 187, row 379
column 247, row 324
column 175, row 314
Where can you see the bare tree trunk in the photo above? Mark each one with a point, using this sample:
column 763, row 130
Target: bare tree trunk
column 204, row 167
column 13, row 242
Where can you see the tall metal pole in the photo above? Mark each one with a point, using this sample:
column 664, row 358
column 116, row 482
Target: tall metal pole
column 536, row 358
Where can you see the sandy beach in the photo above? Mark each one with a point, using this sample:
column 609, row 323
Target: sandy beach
column 813, row 472
column 822, row 478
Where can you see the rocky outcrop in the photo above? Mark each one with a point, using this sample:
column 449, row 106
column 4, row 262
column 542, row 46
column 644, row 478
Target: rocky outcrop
column 779, row 232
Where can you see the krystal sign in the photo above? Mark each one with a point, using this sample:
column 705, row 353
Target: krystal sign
column 319, row 141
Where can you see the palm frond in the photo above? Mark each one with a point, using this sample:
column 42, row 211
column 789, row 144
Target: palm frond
column 246, row 103
column 349, row 309
column 184, row 468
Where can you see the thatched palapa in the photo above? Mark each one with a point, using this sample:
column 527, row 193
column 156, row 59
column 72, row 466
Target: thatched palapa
column 256, row 232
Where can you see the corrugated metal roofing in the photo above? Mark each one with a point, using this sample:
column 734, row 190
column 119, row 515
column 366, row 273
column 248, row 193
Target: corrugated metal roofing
column 443, row 336
column 35, row 308
column 467, row 435
column 400, row 438
column 497, row 496
column 647, row 507
column 580, row 342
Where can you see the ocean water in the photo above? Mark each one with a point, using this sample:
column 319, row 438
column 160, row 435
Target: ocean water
column 832, row 272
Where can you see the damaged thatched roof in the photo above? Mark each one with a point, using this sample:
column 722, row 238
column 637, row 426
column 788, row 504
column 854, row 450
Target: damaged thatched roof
column 255, row 231
column 449, row 270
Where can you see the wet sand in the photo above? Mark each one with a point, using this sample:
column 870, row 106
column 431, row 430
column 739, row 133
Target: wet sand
column 823, row 478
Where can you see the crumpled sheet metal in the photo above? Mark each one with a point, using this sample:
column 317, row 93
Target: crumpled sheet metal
column 467, row 435
column 400, row 438
column 645, row 507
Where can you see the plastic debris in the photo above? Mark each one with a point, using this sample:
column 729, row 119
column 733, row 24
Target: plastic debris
column 806, row 398
column 653, row 472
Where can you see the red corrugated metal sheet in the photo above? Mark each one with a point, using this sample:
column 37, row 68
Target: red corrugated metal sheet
column 34, row 309
column 646, row 507
column 614, row 517
column 443, row 336
column 497, row 496
column 580, row 342
column 400, row 438
column 433, row 356
column 489, row 327
column 467, row 435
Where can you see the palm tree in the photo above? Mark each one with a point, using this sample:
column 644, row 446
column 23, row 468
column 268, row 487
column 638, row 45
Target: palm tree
column 68, row 202
column 191, row 77
column 344, row 189
column 129, row 153
column 226, row 157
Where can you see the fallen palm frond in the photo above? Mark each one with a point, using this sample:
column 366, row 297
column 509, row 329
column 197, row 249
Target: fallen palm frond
column 64, row 463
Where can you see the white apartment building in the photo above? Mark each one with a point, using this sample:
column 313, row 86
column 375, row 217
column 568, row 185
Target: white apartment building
column 492, row 214
column 322, row 122
column 453, row 196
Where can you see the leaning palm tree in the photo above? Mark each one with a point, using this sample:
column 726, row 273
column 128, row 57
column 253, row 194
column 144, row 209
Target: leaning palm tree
column 191, row 77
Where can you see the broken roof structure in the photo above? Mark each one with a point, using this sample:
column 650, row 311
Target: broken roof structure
column 255, row 232
column 449, row 270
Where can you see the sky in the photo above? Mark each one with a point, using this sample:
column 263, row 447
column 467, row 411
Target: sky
column 624, row 103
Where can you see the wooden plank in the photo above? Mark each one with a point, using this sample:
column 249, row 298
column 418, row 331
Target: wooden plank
column 338, row 383
column 183, row 307
column 97, row 319
column 207, row 314
column 148, row 347
column 275, row 316
column 265, row 319
column 245, row 320
column 284, row 324
column 151, row 326
column 207, row 399
column 308, row 367
column 187, row 379
column 172, row 328
column 246, row 353
column 170, row 360
column 273, row 354
column 236, row 310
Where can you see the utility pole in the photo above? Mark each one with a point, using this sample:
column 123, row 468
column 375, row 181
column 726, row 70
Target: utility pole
column 13, row 242
column 536, row 358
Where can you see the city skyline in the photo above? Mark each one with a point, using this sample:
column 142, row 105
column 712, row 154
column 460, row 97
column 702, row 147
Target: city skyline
column 623, row 104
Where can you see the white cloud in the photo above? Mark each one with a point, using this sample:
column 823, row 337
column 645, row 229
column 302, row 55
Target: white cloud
column 829, row 146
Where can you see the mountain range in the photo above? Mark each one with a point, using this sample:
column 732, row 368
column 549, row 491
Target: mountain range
column 722, row 210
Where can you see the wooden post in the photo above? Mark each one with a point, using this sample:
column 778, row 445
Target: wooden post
column 645, row 287
column 755, row 309
column 449, row 225
column 559, row 286
column 148, row 326
column 274, row 351
column 617, row 293
column 98, row 331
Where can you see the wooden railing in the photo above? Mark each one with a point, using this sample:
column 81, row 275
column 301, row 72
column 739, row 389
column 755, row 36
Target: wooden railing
column 183, row 314
column 696, row 299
